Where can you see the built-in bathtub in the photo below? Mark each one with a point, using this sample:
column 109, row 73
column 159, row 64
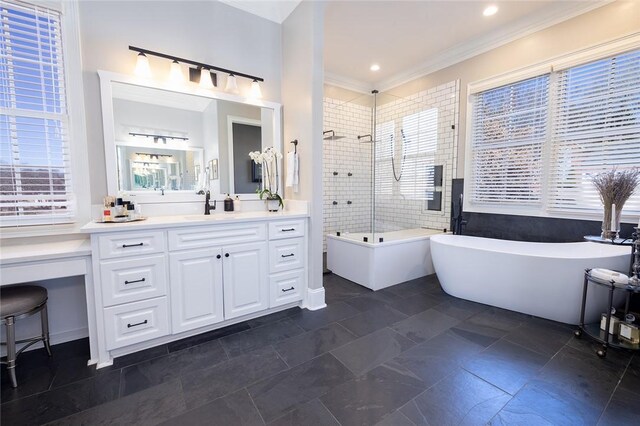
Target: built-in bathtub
column 541, row 279
column 401, row 256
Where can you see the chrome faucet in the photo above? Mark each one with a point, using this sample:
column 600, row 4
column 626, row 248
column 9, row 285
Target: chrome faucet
column 208, row 207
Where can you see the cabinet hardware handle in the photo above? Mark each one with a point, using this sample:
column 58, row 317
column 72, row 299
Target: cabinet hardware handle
column 287, row 255
column 226, row 255
column 132, row 245
column 284, row 290
column 141, row 280
column 134, row 325
column 218, row 257
column 288, row 230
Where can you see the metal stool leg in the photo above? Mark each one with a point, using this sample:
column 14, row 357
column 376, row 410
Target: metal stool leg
column 44, row 319
column 11, row 351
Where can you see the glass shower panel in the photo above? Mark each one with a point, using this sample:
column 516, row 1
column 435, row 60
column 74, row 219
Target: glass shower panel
column 413, row 161
column 347, row 166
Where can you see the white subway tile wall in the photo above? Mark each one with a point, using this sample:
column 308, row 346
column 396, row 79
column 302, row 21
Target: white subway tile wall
column 348, row 155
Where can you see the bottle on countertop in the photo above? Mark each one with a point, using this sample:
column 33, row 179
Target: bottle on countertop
column 228, row 204
column 237, row 204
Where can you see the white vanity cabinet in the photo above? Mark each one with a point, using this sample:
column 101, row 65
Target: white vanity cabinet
column 287, row 260
column 158, row 281
column 196, row 288
column 224, row 277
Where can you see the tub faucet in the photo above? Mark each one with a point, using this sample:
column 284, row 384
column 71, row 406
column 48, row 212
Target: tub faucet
column 208, row 207
column 458, row 221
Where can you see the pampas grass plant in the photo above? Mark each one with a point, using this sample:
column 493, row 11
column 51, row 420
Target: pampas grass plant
column 615, row 187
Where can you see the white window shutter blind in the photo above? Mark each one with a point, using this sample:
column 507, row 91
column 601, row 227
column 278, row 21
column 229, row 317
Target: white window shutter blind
column 596, row 128
column 419, row 143
column 35, row 180
column 509, row 127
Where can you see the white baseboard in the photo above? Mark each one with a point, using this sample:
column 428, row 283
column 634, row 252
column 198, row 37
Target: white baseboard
column 315, row 299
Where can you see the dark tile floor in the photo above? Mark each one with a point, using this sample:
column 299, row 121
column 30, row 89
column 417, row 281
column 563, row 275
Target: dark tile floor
column 407, row 355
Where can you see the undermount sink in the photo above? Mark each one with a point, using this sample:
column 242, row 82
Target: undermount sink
column 206, row 217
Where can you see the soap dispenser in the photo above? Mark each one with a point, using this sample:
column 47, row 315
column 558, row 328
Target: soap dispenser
column 236, row 204
column 228, row 204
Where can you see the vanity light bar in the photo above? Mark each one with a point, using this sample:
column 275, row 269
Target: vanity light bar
column 197, row 64
column 157, row 137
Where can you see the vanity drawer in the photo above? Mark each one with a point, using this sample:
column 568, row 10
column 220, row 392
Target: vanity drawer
column 286, row 229
column 136, row 322
column 130, row 280
column 286, row 287
column 208, row 236
column 130, row 244
column 285, row 255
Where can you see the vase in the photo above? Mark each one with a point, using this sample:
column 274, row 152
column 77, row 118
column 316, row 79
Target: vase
column 273, row 204
column 610, row 222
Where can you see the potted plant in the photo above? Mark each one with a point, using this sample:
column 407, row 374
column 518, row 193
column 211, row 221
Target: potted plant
column 268, row 159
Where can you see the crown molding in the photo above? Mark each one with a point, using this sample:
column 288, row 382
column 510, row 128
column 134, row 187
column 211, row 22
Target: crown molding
column 347, row 83
column 464, row 51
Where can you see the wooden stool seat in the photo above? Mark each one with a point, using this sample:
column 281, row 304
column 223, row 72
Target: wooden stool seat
column 16, row 302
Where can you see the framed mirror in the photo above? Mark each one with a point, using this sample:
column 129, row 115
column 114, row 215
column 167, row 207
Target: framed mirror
column 164, row 143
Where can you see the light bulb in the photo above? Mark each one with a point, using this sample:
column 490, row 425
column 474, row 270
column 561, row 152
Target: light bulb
column 490, row 10
column 205, row 79
column 256, row 93
column 142, row 66
column 232, row 84
column 175, row 73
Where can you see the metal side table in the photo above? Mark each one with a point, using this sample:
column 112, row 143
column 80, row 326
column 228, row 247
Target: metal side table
column 593, row 330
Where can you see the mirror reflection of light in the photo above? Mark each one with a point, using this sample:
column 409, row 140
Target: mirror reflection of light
column 205, row 79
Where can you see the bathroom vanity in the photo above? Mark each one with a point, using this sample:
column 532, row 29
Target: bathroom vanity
column 171, row 277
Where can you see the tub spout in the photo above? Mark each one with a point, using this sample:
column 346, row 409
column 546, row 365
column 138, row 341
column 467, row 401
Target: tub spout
column 458, row 221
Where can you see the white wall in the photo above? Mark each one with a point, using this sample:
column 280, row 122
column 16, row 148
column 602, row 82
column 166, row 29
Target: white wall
column 204, row 31
column 302, row 79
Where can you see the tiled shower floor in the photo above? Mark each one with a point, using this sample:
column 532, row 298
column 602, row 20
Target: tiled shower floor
column 408, row 355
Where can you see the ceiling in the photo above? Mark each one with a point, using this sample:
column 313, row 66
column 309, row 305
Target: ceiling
column 412, row 38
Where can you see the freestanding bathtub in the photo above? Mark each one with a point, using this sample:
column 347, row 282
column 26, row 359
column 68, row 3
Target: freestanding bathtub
column 541, row 279
column 401, row 256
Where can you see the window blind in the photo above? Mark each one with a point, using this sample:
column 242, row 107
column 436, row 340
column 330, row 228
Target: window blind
column 596, row 128
column 508, row 130
column 419, row 143
column 35, row 178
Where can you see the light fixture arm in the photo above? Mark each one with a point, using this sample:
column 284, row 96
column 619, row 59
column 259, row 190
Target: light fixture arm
column 194, row 63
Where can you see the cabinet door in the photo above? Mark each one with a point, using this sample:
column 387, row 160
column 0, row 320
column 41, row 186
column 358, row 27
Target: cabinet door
column 246, row 279
column 196, row 288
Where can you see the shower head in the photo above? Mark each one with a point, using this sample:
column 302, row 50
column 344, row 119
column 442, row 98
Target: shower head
column 370, row 140
column 332, row 135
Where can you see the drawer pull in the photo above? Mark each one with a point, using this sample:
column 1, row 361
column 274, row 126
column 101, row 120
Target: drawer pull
column 135, row 325
column 141, row 280
column 287, row 255
column 288, row 229
column 284, row 290
column 132, row 245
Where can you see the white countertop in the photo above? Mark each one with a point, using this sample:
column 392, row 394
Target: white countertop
column 17, row 253
column 192, row 220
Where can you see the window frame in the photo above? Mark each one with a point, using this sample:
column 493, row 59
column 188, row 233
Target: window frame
column 78, row 150
column 581, row 57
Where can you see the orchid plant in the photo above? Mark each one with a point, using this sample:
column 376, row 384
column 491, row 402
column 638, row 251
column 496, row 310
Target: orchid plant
column 268, row 159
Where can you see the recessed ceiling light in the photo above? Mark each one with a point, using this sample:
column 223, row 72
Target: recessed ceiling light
column 490, row 10
column 375, row 67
